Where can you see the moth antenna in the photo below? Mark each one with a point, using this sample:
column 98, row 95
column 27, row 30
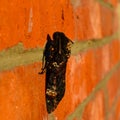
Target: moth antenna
column 71, row 41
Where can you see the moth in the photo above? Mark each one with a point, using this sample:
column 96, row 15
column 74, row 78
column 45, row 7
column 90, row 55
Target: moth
column 54, row 61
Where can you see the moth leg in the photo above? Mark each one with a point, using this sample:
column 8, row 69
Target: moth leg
column 43, row 71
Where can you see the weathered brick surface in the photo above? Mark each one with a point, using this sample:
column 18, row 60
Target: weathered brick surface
column 22, row 89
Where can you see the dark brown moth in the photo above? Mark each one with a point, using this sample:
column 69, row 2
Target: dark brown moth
column 55, row 57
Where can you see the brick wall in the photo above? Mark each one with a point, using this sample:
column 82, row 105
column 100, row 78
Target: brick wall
column 92, row 77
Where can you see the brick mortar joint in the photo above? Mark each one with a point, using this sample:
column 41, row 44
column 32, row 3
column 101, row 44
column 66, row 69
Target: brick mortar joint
column 17, row 55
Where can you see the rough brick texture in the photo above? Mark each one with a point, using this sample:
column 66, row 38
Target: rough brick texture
column 22, row 89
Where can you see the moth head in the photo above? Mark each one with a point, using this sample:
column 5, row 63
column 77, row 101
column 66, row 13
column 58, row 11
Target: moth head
column 61, row 42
